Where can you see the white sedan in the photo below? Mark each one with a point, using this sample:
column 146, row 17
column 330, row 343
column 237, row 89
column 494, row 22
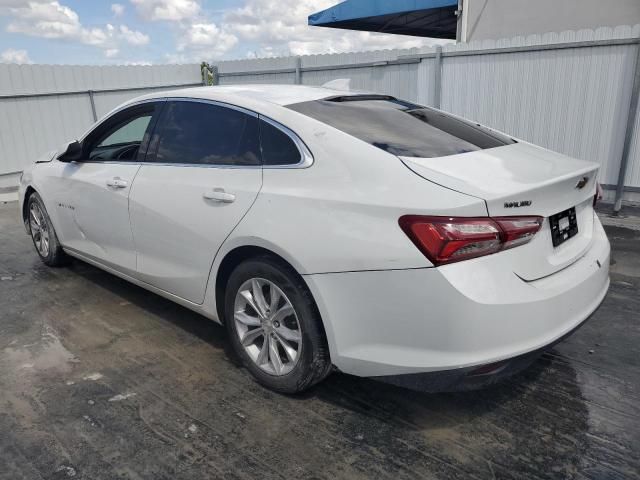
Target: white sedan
column 332, row 230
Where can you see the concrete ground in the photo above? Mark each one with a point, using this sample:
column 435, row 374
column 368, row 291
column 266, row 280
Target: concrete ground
column 100, row 379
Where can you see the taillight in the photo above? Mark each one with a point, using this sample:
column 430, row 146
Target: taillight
column 599, row 192
column 452, row 239
column 518, row 230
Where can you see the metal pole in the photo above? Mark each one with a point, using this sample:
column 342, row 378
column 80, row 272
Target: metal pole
column 459, row 12
column 214, row 75
column 298, row 77
column 437, row 77
column 93, row 105
column 82, row 92
column 631, row 121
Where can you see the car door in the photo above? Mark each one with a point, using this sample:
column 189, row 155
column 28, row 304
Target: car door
column 94, row 204
column 202, row 174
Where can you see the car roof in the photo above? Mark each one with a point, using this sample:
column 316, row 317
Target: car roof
column 266, row 99
column 273, row 94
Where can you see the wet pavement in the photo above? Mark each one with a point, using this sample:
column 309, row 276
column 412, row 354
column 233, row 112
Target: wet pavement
column 100, row 379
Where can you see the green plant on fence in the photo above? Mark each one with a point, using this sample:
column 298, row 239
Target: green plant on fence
column 207, row 73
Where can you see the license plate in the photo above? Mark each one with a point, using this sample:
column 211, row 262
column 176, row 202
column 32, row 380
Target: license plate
column 564, row 225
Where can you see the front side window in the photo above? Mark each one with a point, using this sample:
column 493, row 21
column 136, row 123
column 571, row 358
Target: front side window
column 401, row 128
column 132, row 132
column 121, row 137
column 191, row 132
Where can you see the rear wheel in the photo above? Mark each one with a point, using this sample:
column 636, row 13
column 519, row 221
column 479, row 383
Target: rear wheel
column 43, row 234
column 274, row 326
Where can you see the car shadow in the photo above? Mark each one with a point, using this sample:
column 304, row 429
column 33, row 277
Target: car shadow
column 179, row 316
column 534, row 425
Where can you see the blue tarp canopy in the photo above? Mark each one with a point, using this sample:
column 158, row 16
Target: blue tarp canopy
column 422, row 18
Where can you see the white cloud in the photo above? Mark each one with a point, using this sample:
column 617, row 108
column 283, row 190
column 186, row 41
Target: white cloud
column 133, row 37
column 258, row 28
column 269, row 28
column 206, row 39
column 12, row 3
column 50, row 19
column 197, row 38
column 168, row 10
column 284, row 31
column 117, row 9
column 45, row 19
column 14, row 56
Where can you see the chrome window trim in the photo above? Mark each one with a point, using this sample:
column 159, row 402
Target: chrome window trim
column 306, row 157
column 217, row 103
column 166, row 164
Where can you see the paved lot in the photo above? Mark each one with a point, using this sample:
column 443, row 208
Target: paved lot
column 100, row 379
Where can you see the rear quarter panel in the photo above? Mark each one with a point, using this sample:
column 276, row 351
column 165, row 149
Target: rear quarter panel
column 341, row 213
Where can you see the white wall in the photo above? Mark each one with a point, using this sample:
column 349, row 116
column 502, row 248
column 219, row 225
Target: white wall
column 31, row 125
column 491, row 19
column 573, row 101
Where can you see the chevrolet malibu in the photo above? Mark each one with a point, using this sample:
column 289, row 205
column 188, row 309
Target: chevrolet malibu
column 331, row 229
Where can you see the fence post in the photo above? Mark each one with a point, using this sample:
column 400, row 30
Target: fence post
column 437, row 78
column 298, row 78
column 214, row 75
column 93, row 105
column 631, row 122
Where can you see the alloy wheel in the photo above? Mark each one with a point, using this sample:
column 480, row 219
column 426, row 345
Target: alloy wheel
column 267, row 326
column 39, row 229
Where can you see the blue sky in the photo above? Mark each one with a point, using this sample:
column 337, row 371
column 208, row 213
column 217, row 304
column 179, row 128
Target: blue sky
column 172, row 31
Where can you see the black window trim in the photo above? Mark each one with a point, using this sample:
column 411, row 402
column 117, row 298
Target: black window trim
column 306, row 157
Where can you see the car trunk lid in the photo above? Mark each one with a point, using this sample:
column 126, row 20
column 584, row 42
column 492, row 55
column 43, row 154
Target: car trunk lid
column 521, row 180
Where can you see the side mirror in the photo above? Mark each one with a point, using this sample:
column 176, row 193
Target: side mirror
column 72, row 153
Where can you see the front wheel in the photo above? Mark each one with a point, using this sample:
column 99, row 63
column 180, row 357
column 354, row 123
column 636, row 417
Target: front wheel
column 274, row 326
column 43, row 234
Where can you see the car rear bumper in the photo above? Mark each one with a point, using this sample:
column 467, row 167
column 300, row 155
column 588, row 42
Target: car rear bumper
column 460, row 316
column 471, row 378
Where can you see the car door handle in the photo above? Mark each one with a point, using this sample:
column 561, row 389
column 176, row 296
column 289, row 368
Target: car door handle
column 117, row 182
column 219, row 195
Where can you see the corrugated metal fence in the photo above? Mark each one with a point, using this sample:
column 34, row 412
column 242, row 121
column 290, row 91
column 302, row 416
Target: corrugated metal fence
column 42, row 106
column 570, row 91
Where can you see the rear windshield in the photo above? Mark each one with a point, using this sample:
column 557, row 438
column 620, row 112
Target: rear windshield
column 401, row 128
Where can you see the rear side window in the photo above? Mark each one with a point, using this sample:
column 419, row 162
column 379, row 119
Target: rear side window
column 277, row 147
column 401, row 128
column 202, row 133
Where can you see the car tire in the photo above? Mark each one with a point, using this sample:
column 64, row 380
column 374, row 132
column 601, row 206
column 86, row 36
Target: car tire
column 311, row 362
column 43, row 234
